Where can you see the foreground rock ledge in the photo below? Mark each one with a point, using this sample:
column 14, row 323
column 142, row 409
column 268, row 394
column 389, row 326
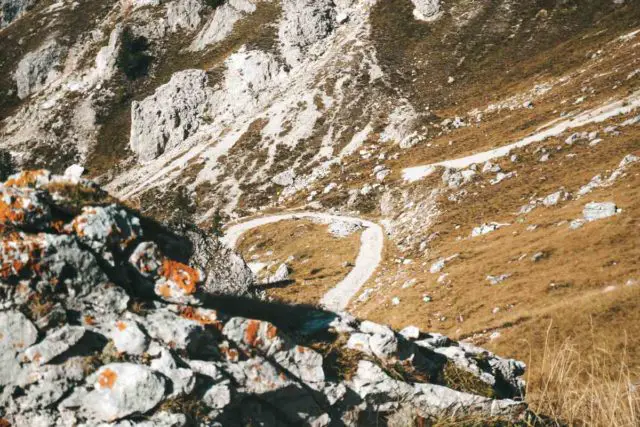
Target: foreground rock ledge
column 108, row 318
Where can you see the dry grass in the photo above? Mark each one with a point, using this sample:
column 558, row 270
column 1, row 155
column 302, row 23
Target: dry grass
column 595, row 388
column 320, row 260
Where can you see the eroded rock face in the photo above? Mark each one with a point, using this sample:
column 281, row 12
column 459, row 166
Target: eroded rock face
column 104, row 318
column 305, row 22
column 169, row 116
column 38, row 68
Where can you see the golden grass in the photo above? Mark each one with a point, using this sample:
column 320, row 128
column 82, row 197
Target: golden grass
column 594, row 388
column 320, row 260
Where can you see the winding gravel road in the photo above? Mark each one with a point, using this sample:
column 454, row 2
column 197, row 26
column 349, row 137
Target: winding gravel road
column 368, row 259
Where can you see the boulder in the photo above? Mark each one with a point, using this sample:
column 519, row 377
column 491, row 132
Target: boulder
column 427, row 10
column 121, row 390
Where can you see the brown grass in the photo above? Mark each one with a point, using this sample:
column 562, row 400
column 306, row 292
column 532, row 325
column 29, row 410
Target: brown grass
column 594, row 388
column 319, row 258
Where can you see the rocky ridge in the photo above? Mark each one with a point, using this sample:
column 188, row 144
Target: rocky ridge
column 109, row 318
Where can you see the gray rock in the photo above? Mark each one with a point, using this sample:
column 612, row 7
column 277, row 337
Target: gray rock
column 486, row 229
column 173, row 113
column 174, row 330
column 595, row 211
column 344, row 228
column 226, row 272
column 305, row 22
column 107, row 228
column 495, row 280
column 122, row 389
column 18, row 333
column 183, row 380
column 410, row 332
column 284, row 179
column 10, row 10
column 129, row 338
column 281, row 274
column 54, row 344
column 38, row 68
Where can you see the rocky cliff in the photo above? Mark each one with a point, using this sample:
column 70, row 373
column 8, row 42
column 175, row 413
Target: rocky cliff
column 108, row 318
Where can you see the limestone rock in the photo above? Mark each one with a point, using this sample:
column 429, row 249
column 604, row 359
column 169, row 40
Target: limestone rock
column 129, row 338
column 427, row 10
column 169, row 116
column 595, row 211
column 10, row 10
column 56, row 343
column 38, row 68
column 305, row 22
column 122, row 389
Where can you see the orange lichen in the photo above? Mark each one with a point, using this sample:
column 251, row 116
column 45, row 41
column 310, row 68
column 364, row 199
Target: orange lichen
column 121, row 325
column 164, row 290
column 251, row 334
column 272, row 331
column 58, row 226
column 11, row 212
column 12, row 249
column 25, row 178
column 107, row 378
column 182, row 275
column 89, row 320
column 200, row 317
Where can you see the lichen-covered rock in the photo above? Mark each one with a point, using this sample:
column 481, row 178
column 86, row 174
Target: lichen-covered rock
column 122, row 389
column 99, row 328
column 10, row 10
column 129, row 338
column 54, row 344
column 106, row 228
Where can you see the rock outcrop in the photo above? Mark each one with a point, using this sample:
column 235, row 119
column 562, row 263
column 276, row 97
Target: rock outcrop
column 38, row 68
column 108, row 318
column 173, row 113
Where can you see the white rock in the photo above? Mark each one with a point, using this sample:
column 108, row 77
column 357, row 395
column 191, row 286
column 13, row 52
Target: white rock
column 122, row 389
column 128, row 338
column 427, row 10
column 595, row 211
column 304, row 24
column 410, row 332
column 38, row 68
column 281, row 274
column 486, row 229
column 343, row 229
column 54, row 344
column 74, row 172
column 169, row 116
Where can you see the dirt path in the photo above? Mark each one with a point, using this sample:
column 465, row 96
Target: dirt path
column 370, row 255
column 596, row 115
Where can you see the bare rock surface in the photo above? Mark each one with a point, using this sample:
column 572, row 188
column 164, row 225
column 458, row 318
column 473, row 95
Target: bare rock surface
column 170, row 115
column 38, row 68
